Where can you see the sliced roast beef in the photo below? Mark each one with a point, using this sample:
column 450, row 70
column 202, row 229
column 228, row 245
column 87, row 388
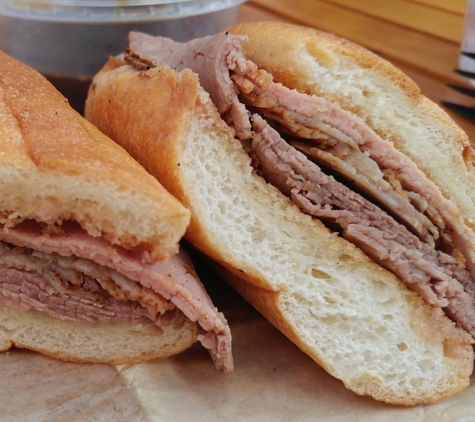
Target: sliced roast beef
column 71, row 278
column 340, row 140
column 59, row 260
column 47, row 292
column 434, row 275
column 223, row 71
column 366, row 176
column 303, row 115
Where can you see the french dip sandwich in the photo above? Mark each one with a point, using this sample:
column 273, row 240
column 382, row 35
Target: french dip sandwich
column 90, row 268
column 334, row 197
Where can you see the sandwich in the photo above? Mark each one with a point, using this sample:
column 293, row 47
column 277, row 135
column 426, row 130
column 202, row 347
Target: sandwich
column 90, row 264
column 326, row 189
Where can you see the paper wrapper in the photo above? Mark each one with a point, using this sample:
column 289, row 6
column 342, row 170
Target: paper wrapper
column 273, row 381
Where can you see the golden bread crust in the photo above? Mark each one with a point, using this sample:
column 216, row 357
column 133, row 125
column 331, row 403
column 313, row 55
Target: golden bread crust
column 277, row 47
column 154, row 148
column 79, row 173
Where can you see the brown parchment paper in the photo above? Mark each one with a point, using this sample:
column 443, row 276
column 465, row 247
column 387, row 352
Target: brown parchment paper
column 273, row 381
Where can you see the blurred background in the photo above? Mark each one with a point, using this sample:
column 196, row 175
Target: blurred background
column 69, row 40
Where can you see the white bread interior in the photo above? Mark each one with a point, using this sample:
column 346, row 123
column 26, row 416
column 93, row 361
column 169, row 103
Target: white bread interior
column 351, row 316
column 55, row 166
column 110, row 343
column 315, row 62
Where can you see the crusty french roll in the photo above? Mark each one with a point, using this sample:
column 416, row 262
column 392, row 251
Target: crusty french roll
column 356, row 319
column 82, row 229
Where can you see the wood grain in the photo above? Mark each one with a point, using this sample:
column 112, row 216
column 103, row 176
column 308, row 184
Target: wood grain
column 427, row 54
column 454, row 6
column 434, row 21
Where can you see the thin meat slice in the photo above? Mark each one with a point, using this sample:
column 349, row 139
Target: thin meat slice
column 433, row 275
column 332, row 148
column 73, row 271
column 206, row 56
column 173, row 279
column 363, row 172
column 460, row 302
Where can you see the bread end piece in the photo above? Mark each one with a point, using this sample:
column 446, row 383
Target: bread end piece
column 56, row 166
column 351, row 316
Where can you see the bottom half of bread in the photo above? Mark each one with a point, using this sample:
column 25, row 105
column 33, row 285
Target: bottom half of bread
column 389, row 357
column 110, row 343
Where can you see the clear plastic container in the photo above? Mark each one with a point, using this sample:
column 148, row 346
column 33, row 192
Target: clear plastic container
column 113, row 11
column 74, row 38
column 69, row 40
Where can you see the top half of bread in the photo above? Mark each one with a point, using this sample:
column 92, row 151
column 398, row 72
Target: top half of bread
column 55, row 166
column 319, row 63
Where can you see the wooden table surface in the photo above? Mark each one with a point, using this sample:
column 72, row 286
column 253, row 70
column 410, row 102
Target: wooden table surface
column 421, row 37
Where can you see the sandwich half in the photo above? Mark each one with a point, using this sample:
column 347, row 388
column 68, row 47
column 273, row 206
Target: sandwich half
column 90, row 267
column 334, row 196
